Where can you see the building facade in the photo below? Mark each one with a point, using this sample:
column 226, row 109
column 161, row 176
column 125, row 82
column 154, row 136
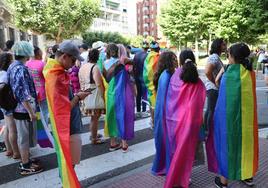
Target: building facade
column 147, row 18
column 114, row 17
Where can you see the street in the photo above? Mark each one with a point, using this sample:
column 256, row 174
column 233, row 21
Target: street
column 132, row 169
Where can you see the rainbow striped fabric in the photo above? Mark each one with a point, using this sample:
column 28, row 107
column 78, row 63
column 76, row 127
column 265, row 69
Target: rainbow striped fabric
column 150, row 66
column 235, row 121
column 44, row 138
column 57, row 92
column 119, row 120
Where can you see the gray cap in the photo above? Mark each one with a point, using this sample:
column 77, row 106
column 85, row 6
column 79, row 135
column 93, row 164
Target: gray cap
column 70, row 48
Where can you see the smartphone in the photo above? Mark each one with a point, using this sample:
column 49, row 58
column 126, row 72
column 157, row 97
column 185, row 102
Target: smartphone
column 89, row 89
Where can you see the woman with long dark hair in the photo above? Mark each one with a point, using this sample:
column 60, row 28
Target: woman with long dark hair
column 213, row 67
column 119, row 120
column 184, row 116
column 235, row 120
column 166, row 66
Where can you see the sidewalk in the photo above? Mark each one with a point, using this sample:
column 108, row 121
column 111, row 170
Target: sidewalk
column 201, row 178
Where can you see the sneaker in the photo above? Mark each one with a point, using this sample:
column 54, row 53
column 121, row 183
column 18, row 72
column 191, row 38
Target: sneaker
column 125, row 149
column 115, row 147
column 218, row 183
column 249, row 182
column 29, row 168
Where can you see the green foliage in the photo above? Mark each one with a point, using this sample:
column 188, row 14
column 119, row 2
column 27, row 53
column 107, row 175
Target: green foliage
column 107, row 37
column 57, row 19
column 137, row 40
column 234, row 20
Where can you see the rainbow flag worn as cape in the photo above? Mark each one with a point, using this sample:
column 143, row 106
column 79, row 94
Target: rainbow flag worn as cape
column 119, row 120
column 236, row 128
column 149, row 69
column 162, row 156
column 184, row 117
column 44, row 137
column 57, row 92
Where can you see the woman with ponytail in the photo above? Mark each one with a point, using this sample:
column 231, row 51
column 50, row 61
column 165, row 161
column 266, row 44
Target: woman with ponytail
column 183, row 110
column 166, row 67
column 235, row 120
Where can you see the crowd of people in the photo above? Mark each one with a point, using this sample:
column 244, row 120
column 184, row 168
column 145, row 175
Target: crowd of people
column 74, row 80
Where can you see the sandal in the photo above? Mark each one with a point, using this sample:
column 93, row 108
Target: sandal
column 9, row 153
column 16, row 156
column 125, row 149
column 98, row 136
column 97, row 141
column 115, row 147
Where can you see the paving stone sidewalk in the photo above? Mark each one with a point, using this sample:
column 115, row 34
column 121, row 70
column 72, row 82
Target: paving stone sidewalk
column 201, row 178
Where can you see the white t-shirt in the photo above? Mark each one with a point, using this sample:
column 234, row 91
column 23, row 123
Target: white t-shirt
column 216, row 61
column 3, row 77
column 85, row 57
column 261, row 57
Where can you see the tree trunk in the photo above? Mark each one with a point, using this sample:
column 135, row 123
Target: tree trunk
column 58, row 40
column 209, row 42
column 196, row 50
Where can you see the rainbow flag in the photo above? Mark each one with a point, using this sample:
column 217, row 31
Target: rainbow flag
column 236, row 128
column 149, row 69
column 162, row 156
column 119, row 120
column 57, row 92
column 44, row 137
column 184, row 117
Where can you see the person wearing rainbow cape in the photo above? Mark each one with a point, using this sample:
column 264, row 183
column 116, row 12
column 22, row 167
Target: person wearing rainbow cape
column 64, row 111
column 149, row 69
column 119, row 120
column 235, row 120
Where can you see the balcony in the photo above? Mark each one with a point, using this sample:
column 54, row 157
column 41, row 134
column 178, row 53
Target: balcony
column 106, row 25
column 147, row 20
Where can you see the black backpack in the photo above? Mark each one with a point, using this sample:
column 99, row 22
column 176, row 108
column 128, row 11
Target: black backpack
column 7, row 99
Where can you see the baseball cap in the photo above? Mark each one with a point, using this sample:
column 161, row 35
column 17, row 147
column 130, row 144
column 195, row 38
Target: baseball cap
column 70, row 48
column 23, row 48
column 84, row 46
column 97, row 45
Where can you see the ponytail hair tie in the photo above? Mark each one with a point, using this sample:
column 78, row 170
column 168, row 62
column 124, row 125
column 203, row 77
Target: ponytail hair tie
column 188, row 61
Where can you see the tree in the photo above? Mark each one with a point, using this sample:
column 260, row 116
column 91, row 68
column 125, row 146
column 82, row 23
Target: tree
column 56, row 19
column 137, row 40
column 244, row 20
column 108, row 37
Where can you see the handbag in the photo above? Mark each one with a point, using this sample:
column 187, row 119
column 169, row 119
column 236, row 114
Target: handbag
column 95, row 99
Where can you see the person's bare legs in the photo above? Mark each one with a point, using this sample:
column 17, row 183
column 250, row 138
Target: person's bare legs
column 9, row 151
column 113, row 141
column 124, row 144
column 94, row 127
column 12, row 135
column 224, row 180
column 152, row 116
